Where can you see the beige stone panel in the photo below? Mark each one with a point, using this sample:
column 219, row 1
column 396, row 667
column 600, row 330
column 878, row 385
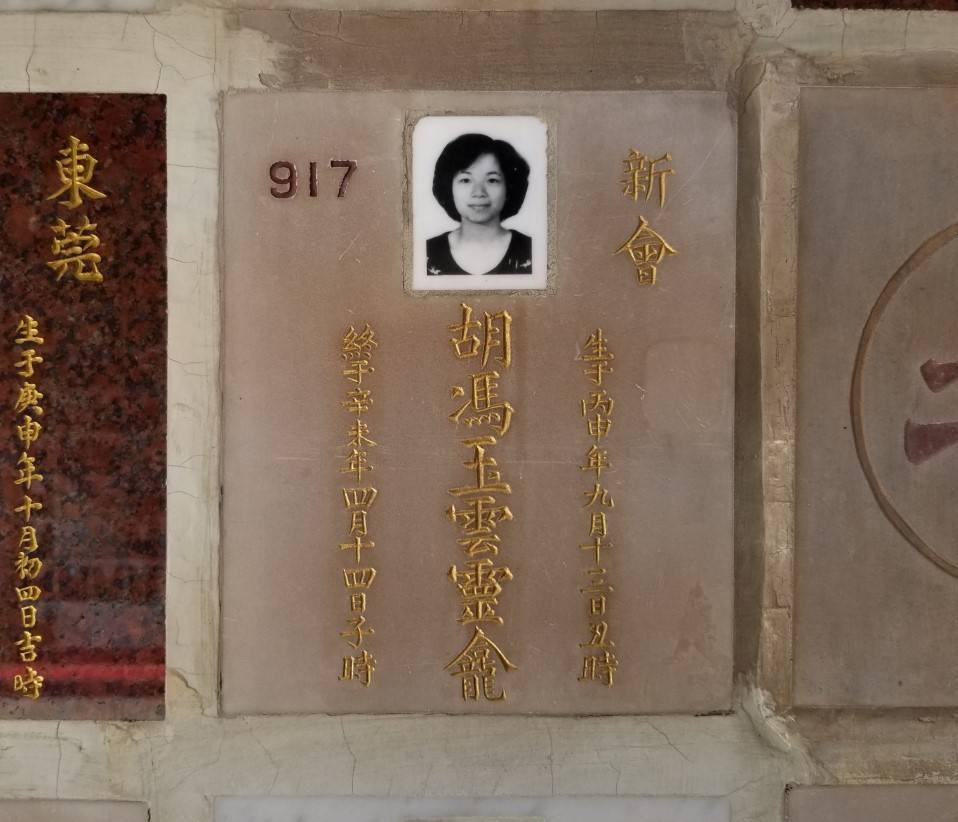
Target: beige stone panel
column 299, row 271
column 39, row 810
column 873, row 614
column 873, row 803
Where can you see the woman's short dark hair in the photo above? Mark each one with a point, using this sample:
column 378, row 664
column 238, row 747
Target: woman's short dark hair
column 463, row 152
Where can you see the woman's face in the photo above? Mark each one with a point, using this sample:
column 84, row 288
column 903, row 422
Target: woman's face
column 479, row 192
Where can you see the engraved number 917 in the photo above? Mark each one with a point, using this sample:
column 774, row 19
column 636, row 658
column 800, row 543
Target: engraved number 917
column 285, row 177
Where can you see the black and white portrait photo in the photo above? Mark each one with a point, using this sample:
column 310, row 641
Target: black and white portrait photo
column 479, row 203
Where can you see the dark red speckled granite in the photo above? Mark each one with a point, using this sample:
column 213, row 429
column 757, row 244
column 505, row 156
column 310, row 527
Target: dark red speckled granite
column 103, row 448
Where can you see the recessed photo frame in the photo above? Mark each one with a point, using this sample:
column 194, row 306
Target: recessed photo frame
column 479, row 203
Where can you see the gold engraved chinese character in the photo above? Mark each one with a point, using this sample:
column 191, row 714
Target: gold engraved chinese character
column 29, row 358
column 596, row 352
column 28, row 616
column 29, row 684
column 480, row 584
column 27, row 567
column 359, row 578
column 28, row 398
column 357, row 435
column 74, row 244
column 647, row 248
column 600, row 668
column 599, row 526
column 76, row 172
column 357, row 603
column 28, row 539
column 599, row 636
column 497, row 334
column 27, row 507
column 26, row 471
column 359, row 499
column 597, row 459
column 597, row 546
column 31, row 593
column 597, row 605
column 488, row 479
column 356, row 464
column 482, row 406
column 597, row 583
column 358, row 546
column 28, row 432
column 359, row 345
column 359, row 631
column 480, row 516
column 484, row 544
column 477, row 667
column 358, row 400
column 359, row 668
column 28, row 646
column 358, row 524
column 28, row 331
column 355, row 370
column 599, row 495
column 642, row 176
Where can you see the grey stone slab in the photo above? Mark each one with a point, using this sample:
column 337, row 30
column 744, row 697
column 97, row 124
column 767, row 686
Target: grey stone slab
column 632, row 809
column 876, row 555
column 299, row 271
column 44, row 810
column 873, row 803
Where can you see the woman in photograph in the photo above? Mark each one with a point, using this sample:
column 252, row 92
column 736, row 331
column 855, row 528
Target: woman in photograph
column 480, row 182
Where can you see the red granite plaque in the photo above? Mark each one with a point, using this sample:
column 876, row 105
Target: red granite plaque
column 83, row 416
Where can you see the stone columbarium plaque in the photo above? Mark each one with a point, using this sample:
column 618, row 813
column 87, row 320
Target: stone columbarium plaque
column 877, row 556
column 83, row 415
column 873, row 803
column 478, row 402
column 631, row 809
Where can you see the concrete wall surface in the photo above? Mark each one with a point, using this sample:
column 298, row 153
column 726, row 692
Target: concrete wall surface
column 761, row 53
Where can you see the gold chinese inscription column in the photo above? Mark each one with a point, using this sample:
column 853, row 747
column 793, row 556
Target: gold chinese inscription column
column 476, row 510
column 357, row 350
column 27, row 564
column 645, row 246
column 599, row 662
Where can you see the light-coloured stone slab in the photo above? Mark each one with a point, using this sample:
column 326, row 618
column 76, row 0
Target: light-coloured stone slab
column 300, row 270
column 876, row 525
column 874, row 803
column 473, row 810
column 43, row 810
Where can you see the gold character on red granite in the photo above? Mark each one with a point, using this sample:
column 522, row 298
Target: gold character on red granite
column 358, row 344
column 642, row 176
column 597, row 459
column 647, row 248
column 357, row 435
column 482, row 406
column 28, row 567
column 29, row 684
column 599, row 636
column 74, row 246
column 600, row 668
column 30, row 357
column 28, row 432
column 497, row 334
column 28, row 616
column 358, row 632
column 359, row 498
column 359, row 668
column 356, row 463
column 28, row 398
column 357, row 603
column 358, row 401
column 28, row 646
column 27, row 507
column 26, row 469
column 479, row 516
column 477, row 666
column 30, row 593
column 599, row 526
column 28, row 539
column 359, row 578
column 599, row 495
column 28, row 331
column 355, row 370
column 75, row 171
column 597, row 546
